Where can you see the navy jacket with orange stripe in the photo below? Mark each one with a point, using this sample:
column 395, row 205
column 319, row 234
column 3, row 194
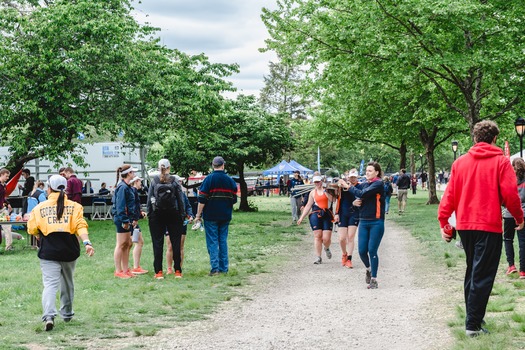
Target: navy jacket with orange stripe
column 373, row 196
column 218, row 192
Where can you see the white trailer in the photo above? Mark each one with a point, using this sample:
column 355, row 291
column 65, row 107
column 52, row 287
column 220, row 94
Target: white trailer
column 102, row 161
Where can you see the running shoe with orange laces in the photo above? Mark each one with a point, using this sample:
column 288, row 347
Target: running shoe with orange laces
column 121, row 274
column 170, row 271
column 344, row 259
column 128, row 272
column 139, row 271
column 348, row 264
column 178, row 274
column 159, row 276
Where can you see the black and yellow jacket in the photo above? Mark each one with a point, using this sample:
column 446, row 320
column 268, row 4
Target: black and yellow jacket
column 58, row 238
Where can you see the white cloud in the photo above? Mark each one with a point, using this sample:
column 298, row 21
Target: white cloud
column 227, row 31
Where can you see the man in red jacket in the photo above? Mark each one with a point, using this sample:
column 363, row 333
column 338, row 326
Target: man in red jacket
column 481, row 181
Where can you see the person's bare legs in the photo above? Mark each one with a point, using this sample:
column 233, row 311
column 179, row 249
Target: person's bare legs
column 121, row 253
column 343, row 240
column 318, row 242
column 137, row 252
column 182, row 239
column 169, row 255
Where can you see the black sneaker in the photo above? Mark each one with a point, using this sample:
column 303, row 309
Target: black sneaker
column 318, row 261
column 368, row 277
column 214, row 273
column 373, row 284
column 49, row 324
column 474, row 334
column 328, row 253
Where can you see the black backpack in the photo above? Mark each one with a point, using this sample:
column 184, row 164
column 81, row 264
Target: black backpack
column 168, row 195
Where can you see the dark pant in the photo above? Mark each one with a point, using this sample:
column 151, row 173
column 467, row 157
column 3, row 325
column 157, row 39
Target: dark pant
column 483, row 251
column 509, row 229
column 159, row 222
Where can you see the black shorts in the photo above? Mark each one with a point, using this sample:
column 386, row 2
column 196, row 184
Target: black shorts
column 349, row 219
column 321, row 220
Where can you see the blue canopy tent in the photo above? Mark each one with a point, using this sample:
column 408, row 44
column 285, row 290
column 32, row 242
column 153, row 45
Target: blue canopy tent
column 283, row 168
column 301, row 168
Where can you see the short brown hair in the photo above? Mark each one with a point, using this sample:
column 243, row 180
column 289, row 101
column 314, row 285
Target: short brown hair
column 485, row 131
column 3, row 171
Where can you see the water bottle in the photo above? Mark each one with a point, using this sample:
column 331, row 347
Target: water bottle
column 135, row 236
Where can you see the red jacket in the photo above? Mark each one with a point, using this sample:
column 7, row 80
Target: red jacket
column 481, row 181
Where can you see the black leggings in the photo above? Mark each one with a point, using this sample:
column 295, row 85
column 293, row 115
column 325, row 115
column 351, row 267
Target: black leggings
column 509, row 230
column 159, row 222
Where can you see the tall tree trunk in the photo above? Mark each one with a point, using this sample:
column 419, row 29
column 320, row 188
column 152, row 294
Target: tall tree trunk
column 428, row 141
column 412, row 163
column 432, row 193
column 243, row 206
column 403, row 155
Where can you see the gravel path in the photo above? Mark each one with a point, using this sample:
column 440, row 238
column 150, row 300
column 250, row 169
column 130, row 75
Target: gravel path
column 308, row 306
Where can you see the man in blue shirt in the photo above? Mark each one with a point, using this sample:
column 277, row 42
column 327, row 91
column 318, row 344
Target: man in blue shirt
column 217, row 195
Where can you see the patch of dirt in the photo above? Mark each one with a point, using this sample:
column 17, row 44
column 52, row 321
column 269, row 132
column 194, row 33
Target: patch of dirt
column 307, row 306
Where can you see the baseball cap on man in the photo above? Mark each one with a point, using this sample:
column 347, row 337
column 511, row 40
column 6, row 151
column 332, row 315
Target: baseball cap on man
column 57, row 182
column 164, row 163
column 353, row 174
column 218, row 161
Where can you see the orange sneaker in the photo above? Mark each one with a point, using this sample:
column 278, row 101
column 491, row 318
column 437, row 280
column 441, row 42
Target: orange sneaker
column 128, row 272
column 139, row 271
column 344, row 259
column 348, row 264
column 522, row 274
column 121, row 274
column 178, row 274
column 159, row 276
column 170, row 271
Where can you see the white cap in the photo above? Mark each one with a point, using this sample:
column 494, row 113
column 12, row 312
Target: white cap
column 57, row 182
column 353, row 174
column 136, row 178
column 317, row 178
column 164, row 163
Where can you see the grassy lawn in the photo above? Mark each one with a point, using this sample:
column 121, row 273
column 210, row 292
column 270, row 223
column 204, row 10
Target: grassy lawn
column 107, row 307
column 506, row 309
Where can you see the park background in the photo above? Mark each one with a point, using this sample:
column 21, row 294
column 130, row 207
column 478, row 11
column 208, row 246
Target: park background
column 397, row 83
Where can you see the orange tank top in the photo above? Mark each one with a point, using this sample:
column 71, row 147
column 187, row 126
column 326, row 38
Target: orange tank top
column 321, row 200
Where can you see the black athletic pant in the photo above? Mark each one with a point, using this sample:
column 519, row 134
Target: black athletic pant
column 483, row 251
column 509, row 231
column 159, row 222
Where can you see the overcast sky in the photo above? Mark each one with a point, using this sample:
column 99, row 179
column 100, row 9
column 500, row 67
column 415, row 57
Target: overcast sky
column 227, row 31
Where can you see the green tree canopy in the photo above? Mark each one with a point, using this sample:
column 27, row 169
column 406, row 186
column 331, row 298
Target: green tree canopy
column 243, row 134
column 88, row 66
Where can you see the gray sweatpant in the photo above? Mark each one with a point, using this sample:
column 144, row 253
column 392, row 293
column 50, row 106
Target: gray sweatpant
column 296, row 207
column 57, row 274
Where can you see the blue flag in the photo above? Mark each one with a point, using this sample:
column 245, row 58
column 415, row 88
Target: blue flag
column 362, row 168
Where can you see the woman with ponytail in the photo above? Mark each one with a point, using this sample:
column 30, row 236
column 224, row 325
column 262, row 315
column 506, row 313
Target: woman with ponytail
column 122, row 210
column 56, row 223
column 165, row 215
